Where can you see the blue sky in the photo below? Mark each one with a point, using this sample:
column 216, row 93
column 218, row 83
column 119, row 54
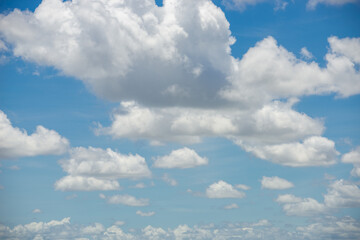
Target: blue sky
column 232, row 119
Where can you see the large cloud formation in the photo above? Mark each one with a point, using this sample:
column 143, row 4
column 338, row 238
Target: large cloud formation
column 172, row 70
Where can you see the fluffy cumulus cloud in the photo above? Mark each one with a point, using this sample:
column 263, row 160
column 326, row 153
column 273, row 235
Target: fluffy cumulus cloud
column 300, row 207
column 354, row 158
column 98, row 169
column 223, row 189
column 324, row 228
column 191, row 85
column 275, row 183
column 231, row 206
column 181, row 158
column 116, row 46
column 252, row 130
column 15, row 142
column 340, row 194
column 311, row 4
column 313, row 151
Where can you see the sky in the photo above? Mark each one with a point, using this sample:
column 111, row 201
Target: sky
column 180, row 119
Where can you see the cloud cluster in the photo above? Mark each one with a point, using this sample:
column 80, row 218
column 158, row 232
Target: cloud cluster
column 275, row 183
column 180, row 158
column 92, row 169
column 324, row 228
column 222, row 189
column 16, row 143
column 340, row 194
column 254, row 131
column 191, row 85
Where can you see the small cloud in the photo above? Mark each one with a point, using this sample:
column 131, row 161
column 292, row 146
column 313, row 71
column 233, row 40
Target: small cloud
column 36, row 73
column 231, row 206
column 275, row 183
column 119, row 223
column 128, row 200
column 223, row 189
column 102, row 196
column 181, row 158
column 166, row 178
column 306, row 54
column 36, row 210
column 145, row 214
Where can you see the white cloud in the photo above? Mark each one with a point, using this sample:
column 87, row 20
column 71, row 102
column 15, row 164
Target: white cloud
column 314, row 151
column 145, row 214
column 311, row 4
column 300, row 207
column 275, row 183
column 181, row 158
column 349, row 47
column 17, row 143
column 129, row 45
column 166, row 178
column 169, row 55
column 231, row 206
column 354, row 158
column 268, row 71
column 223, row 189
column 80, row 183
column 153, row 233
column 128, row 200
column 306, row 54
column 93, row 169
column 340, row 194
